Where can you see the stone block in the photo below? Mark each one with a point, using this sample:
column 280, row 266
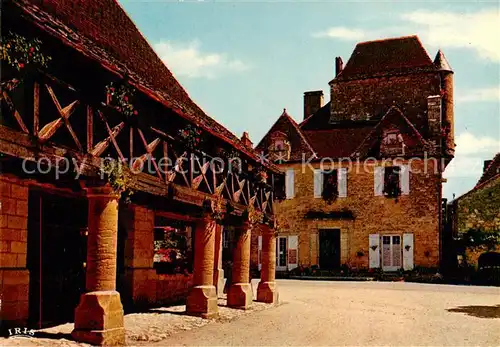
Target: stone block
column 202, row 301
column 240, row 296
column 16, row 222
column 99, row 319
column 267, row 292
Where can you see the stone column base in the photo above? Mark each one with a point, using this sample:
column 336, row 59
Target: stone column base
column 99, row 319
column 240, row 296
column 267, row 292
column 220, row 283
column 202, row 301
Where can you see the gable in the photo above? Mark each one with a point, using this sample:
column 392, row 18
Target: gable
column 393, row 136
column 286, row 126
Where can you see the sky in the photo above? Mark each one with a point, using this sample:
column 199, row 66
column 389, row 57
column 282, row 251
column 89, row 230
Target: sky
column 242, row 62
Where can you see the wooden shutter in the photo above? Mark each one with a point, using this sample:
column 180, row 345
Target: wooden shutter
column 342, row 182
column 374, row 250
column 318, row 183
column 260, row 252
column 408, row 251
column 378, row 179
column 290, row 181
column 293, row 252
column 404, row 179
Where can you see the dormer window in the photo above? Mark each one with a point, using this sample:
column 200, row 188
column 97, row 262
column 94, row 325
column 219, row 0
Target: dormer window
column 279, row 147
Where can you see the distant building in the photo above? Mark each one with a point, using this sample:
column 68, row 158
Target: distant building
column 389, row 101
column 479, row 208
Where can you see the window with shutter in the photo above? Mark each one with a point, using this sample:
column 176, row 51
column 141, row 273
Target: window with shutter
column 290, row 183
column 378, row 181
column 404, row 176
column 342, row 182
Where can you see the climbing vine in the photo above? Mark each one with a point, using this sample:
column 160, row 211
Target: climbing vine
column 190, row 137
column 113, row 172
column 120, row 97
column 20, row 53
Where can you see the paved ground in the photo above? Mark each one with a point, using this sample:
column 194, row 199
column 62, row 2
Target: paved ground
column 323, row 313
column 360, row 313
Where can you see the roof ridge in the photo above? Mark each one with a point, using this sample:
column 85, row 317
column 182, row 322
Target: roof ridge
column 387, row 39
column 294, row 123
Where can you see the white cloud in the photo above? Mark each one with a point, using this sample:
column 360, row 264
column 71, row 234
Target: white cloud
column 342, row 33
column 188, row 60
column 470, row 153
column 479, row 31
column 480, row 94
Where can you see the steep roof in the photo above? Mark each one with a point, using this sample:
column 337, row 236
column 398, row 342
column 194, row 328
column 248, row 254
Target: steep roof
column 102, row 31
column 287, row 125
column 441, row 63
column 491, row 171
column 336, row 143
column 386, row 57
column 393, row 115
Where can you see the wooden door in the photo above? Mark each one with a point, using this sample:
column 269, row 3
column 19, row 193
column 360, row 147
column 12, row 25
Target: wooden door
column 329, row 249
column 391, row 252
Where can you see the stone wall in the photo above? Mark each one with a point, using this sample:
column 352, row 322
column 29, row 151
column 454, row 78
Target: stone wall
column 14, row 277
column 416, row 213
column 142, row 286
column 479, row 209
column 372, row 97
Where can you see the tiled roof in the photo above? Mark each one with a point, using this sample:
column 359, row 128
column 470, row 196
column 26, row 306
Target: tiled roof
column 386, row 57
column 101, row 30
column 491, row 171
column 287, row 125
column 336, row 143
column 393, row 115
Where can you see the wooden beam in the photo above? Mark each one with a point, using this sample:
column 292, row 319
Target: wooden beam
column 149, row 149
column 36, row 108
column 90, row 129
column 111, row 136
column 18, row 117
column 99, row 149
column 64, row 113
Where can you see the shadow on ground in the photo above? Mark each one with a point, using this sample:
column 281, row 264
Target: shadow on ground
column 478, row 311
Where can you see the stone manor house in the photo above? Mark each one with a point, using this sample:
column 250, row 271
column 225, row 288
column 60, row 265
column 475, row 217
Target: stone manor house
column 370, row 195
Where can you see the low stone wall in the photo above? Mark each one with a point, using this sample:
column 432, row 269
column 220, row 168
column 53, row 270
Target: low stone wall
column 145, row 288
column 172, row 288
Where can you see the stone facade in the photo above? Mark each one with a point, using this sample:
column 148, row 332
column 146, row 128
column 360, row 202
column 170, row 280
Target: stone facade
column 416, row 213
column 478, row 209
column 14, row 277
column 390, row 115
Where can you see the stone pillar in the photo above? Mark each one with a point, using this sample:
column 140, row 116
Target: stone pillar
column 140, row 276
column 218, row 271
column 202, row 298
column 240, row 292
column 266, row 291
column 99, row 315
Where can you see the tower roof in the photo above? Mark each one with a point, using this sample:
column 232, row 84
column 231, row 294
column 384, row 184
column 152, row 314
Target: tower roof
column 441, row 63
column 386, row 57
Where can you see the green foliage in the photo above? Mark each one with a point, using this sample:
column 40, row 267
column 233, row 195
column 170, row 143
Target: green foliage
column 113, row 171
column 479, row 239
column 120, row 98
column 19, row 52
column 191, row 137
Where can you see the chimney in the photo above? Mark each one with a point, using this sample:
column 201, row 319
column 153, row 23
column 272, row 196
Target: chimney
column 339, row 65
column 486, row 164
column 434, row 117
column 313, row 101
column 245, row 139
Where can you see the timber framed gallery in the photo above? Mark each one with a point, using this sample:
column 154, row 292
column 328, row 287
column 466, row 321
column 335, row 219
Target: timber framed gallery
column 80, row 84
